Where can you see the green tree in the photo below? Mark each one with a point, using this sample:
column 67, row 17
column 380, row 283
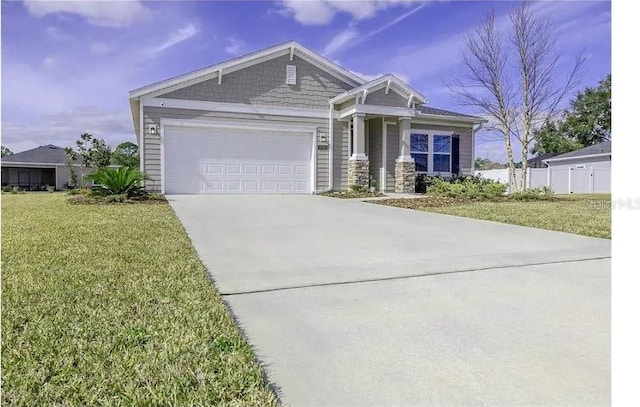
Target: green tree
column 586, row 122
column 92, row 152
column 589, row 119
column 126, row 154
column 551, row 138
column 6, row 151
column 487, row 164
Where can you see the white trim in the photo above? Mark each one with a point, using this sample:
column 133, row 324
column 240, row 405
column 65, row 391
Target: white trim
column 162, row 166
column 375, row 109
column 386, row 88
column 591, row 180
column 307, row 130
column 233, row 107
column 410, row 100
column 364, row 95
column 246, row 61
column 430, row 151
column 313, row 164
column 576, row 157
column 379, row 83
column 383, row 181
column 237, row 125
column 291, row 51
column 570, row 179
column 142, row 135
column 220, row 76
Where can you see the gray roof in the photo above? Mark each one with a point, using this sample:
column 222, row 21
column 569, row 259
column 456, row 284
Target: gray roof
column 48, row 154
column 601, row 148
column 441, row 112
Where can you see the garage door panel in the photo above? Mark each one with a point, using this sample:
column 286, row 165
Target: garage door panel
column 216, row 161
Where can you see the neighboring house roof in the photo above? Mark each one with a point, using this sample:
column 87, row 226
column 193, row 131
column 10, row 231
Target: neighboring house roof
column 596, row 150
column 49, row 154
column 384, row 81
column 540, row 158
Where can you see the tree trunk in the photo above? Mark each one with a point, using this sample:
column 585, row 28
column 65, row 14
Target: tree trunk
column 510, row 163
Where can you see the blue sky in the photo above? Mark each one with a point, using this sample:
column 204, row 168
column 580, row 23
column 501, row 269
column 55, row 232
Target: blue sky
column 67, row 66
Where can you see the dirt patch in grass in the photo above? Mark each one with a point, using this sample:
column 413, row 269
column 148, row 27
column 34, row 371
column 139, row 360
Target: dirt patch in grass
column 110, row 305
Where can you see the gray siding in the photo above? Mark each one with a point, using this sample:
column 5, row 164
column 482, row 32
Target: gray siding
column 375, row 149
column 466, row 148
column 340, row 155
column 264, row 84
column 152, row 115
column 391, row 99
column 393, row 150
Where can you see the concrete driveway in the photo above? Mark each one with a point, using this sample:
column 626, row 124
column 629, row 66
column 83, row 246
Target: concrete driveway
column 351, row 303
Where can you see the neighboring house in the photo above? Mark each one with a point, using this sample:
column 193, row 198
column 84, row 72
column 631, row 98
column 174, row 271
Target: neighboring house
column 287, row 120
column 587, row 170
column 539, row 160
column 39, row 167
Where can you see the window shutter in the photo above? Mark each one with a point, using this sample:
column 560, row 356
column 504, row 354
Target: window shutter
column 455, row 154
column 291, row 74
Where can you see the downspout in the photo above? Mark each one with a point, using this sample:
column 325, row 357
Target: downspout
column 473, row 146
column 330, row 187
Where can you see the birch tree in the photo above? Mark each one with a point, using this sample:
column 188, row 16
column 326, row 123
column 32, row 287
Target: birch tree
column 511, row 75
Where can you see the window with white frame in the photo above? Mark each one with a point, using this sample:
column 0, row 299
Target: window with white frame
column 441, row 153
column 420, row 151
column 431, row 151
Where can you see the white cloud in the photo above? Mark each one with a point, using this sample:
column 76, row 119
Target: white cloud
column 321, row 12
column 65, row 127
column 351, row 37
column 235, row 46
column 176, row 37
column 341, row 40
column 101, row 48
column 103, row 13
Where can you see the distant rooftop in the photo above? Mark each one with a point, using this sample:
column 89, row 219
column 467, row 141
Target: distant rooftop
column 600, row 148
column 49, row 154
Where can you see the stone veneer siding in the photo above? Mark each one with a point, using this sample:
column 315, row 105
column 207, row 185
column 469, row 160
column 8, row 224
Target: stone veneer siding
column 358, row 173
column 405, row 177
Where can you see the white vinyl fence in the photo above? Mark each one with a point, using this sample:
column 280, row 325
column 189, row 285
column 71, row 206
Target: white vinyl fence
column 563, row 180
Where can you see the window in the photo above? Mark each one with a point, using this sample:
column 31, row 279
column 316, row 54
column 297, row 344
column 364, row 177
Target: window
column 441, row 153
column 420, row 151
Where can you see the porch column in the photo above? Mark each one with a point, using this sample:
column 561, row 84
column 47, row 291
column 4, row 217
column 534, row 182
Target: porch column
column 358, row 170
column 405, row 181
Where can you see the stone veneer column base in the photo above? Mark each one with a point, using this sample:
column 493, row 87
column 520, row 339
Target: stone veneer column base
column 405, row 177
column 358, row 173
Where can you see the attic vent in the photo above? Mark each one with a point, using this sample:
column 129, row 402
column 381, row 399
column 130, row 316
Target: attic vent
column 291, row 74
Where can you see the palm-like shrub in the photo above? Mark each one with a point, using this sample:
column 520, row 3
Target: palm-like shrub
column 118, row 181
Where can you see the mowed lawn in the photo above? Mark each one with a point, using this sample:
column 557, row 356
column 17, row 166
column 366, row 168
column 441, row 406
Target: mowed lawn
column 588, row 215
column 110, row 305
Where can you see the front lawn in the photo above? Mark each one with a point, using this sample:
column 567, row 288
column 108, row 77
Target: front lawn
column 110, row 305
column 588, row 215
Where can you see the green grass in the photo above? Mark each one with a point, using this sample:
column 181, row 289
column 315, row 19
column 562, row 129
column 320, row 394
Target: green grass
column 110, row 305
column 588, row 215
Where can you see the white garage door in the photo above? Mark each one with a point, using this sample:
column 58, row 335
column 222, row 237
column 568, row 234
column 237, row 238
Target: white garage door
column 235, row 161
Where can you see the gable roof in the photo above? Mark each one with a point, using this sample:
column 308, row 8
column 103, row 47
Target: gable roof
column 596, row 150
column 49, row 154
column 290, row 47
column 384, row 81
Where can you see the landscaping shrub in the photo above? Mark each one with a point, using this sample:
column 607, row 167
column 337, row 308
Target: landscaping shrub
column 17, row 190
column 539, row 193
column 118, row 181
column 358, row 188
column 465, row 187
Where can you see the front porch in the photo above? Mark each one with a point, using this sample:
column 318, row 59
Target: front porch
column 389, row 152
